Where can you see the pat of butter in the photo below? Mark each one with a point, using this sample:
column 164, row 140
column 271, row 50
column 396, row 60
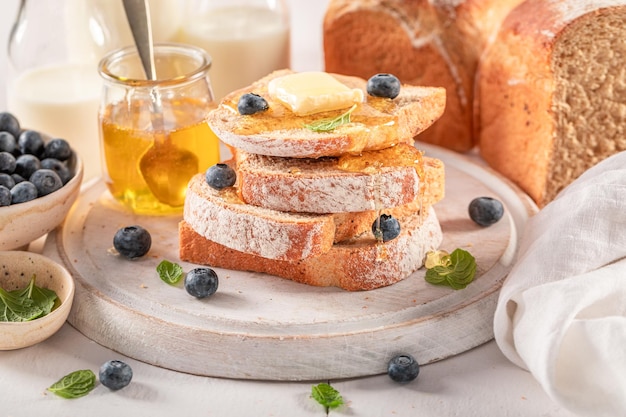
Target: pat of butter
column 313, row 92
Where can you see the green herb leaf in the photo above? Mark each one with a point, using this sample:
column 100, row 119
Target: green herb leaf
column 74, row 385
column 327, row 396
column 326, row 125
column 456, row 270
column 26, row 304
column 170, row 272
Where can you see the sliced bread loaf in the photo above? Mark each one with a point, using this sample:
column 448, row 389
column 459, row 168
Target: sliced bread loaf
column 376, row 123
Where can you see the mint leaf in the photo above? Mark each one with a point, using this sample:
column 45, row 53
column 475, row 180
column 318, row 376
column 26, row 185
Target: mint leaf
column 327, row 396
column 26, row 304
column 326, row 125
column 456, row 270
column 74, row 385
column 170, row 272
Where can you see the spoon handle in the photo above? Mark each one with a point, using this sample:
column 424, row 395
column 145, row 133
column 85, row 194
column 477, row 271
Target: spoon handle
column 138, row 15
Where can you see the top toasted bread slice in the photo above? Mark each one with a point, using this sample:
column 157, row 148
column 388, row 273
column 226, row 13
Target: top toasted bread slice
column 376, row 123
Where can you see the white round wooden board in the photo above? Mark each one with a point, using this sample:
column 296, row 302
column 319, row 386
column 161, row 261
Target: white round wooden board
column 262, row 327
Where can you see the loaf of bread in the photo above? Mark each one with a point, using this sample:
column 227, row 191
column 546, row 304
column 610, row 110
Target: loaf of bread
column 423, row 42
column 551, row 98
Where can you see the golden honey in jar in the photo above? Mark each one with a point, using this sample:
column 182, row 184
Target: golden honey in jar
column 153, row 134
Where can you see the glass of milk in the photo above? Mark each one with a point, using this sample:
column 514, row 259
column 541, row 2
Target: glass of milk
column 246, row 39
column 54, row 50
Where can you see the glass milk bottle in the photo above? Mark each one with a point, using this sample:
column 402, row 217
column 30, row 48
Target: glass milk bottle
column 54, row 50
column 247, row 39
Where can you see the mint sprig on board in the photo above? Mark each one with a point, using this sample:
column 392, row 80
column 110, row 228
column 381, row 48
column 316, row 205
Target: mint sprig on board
column 26, row 304
column 327, row 125
column 455, row 270
column 327, row 396
column 169, row 272
column 74, row 385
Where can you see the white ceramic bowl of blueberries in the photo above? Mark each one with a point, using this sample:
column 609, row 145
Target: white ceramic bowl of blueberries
column 40, row 179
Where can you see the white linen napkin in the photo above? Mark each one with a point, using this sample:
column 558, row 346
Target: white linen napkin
column 561, row 313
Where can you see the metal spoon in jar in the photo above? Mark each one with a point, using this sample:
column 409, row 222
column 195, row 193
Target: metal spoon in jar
column 163, row 166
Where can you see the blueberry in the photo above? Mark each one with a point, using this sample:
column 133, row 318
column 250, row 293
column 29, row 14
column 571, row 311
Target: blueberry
column 46, row 180
column 17, row 178
column 5, row 196
column 386, row 228
column 7, row 181
column 9, row 123
column 251, row 103
column 26, row 165
column 59, row 167
column 220, row 176
column 485, row 211
column 30, row 142
column 23, row 192
column 383, row 85
column 403, row 368
column 58, row 149
column 115, row 374
column 8, row 143
column 201, row 282
column 7, row 163
column 132, row 241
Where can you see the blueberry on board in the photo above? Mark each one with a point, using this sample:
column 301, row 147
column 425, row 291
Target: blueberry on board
column 383, row 85
column 23, row 192
column 7, row 163
column 7, row 181
column 8, row 142
column 201, row 282
column 132, row 241
column 59, row 167
column 220, row 176
column 115, row 374
column 251, row 103
column 485, row 211
column 58, row 149
column 386, row 228
column 46, row 181
column 9, row 123
column 5, row 196
column 403, row 368
column 26, row 165
column 30, row 142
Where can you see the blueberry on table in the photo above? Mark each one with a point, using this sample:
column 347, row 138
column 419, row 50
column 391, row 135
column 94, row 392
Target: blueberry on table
column 383, row 85
column 58, row 149
column 9, row 123
column 8, row 143
column 23, row 192
column 251, row 103
column 115, row 374
column 132, row 241
column 5, row 196
column 403, row 368
column 46, row 181
column 7, row 163
column 386, row 228
column 220, row 176
column 26, row 165
column 31, row 142
column 485, row 211
column 201, row 282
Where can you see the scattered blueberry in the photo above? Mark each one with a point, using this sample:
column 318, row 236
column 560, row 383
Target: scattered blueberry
column 201, row 282
column 9, row 123
column 7, row 162
column 132, row 241
column 220, row 176
column 383, row 85
column 46, row 181
column 485, row 211
column 115, row 374
column 8, row 143
column 386, row 228
column 26, row 165
column 58, row 149
column 251, row 103
column 23, row 192
column 59, row 167
column 5, row 196
column 403, row 368
column 31, row 142
column 7, row 181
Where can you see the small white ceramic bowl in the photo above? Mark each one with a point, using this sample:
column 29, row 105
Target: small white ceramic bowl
column 22, row 223
column 16, row 271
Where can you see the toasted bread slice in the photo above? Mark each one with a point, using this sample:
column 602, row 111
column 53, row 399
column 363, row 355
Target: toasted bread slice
column 358, row 264
column 377, row 123
column 319, row 186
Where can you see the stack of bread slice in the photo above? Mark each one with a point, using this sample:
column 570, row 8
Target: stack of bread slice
column 306, row 203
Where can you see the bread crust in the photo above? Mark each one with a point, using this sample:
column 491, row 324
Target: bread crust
column 361, row 264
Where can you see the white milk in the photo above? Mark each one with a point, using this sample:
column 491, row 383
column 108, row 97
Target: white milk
column 61, row 101
column 245, row 44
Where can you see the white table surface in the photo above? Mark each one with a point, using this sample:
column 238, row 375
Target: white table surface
column 480, row 382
